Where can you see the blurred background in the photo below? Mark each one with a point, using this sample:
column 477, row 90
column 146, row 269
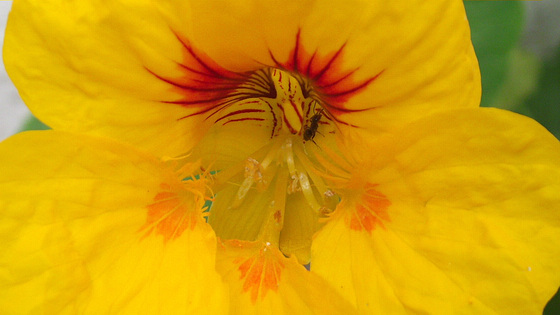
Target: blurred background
column 12, row 110
column 517, row 44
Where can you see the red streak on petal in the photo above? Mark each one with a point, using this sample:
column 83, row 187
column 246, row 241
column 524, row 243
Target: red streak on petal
column 243, row 119
column 316, row 77
column 240, row 112
column 203, row 63
column 290, row 127
column 334, row 83
column 204, row 85
column 297, row 109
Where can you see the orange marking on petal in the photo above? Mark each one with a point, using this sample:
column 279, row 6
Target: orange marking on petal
column 170, row 214
column 370, row 212
column 164, row 195
column 253, row 279
column 260, row 273
column 245, row 266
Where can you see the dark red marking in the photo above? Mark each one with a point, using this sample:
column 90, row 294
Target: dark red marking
column 295, row 53
column 287, row 123
column 209, row 67
column 310, row 62
column 333, row 84
column 353, row 89
column 295, row 107
column 240, row 112
column 206, row 87
column 274, row 119
column 243, row 119
column 191, row 87
column 325, row 68
column 340, row 79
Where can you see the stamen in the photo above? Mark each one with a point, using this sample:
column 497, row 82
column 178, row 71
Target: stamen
column 272, row 153
column 289, row 156
column 308, row 192
column 337, row 158
column 294, row 185
column 254, row 169
column 337, row 172
column 312, row 171
column 224, row 176
column 253, row 174
column 242, row 192
column 176, row 158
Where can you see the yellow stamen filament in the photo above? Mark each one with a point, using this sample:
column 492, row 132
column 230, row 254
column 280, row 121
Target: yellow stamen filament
column 312, row 171
column 308, row 192
column 271, row 155
column 253, row 174
column 338, row 173
column 176, row 158
column 242, row 192
column 337, row 158
column 289, row 156
column 224, row 176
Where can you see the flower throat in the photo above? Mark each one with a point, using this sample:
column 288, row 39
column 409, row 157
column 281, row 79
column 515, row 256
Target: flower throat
column 269, row 153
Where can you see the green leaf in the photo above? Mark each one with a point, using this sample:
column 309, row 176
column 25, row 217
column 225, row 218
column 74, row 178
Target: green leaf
column 495, row 30
column 33, row 123
column 521, row 80
column 553, row 307
column 544, row 104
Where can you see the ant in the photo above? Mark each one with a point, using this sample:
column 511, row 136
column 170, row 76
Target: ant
column 310, row 131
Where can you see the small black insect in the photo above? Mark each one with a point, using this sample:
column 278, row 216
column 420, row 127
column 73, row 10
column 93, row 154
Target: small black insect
column 310, row 131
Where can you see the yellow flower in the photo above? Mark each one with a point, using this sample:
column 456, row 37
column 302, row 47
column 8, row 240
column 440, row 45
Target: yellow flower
column 203, row 152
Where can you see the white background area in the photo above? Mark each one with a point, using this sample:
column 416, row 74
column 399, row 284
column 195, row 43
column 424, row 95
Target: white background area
column 12, row 110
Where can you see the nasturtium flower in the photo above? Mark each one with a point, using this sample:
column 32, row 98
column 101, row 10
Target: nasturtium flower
column 279, row 157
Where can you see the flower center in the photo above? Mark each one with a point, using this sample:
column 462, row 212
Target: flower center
column 266, row 151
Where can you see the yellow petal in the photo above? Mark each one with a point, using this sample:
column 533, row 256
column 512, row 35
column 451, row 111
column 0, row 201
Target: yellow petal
column 405, row 59
column 472, row 226
column 100, row 67
column 263, row 281
column 148, row 72
column 79, row 233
